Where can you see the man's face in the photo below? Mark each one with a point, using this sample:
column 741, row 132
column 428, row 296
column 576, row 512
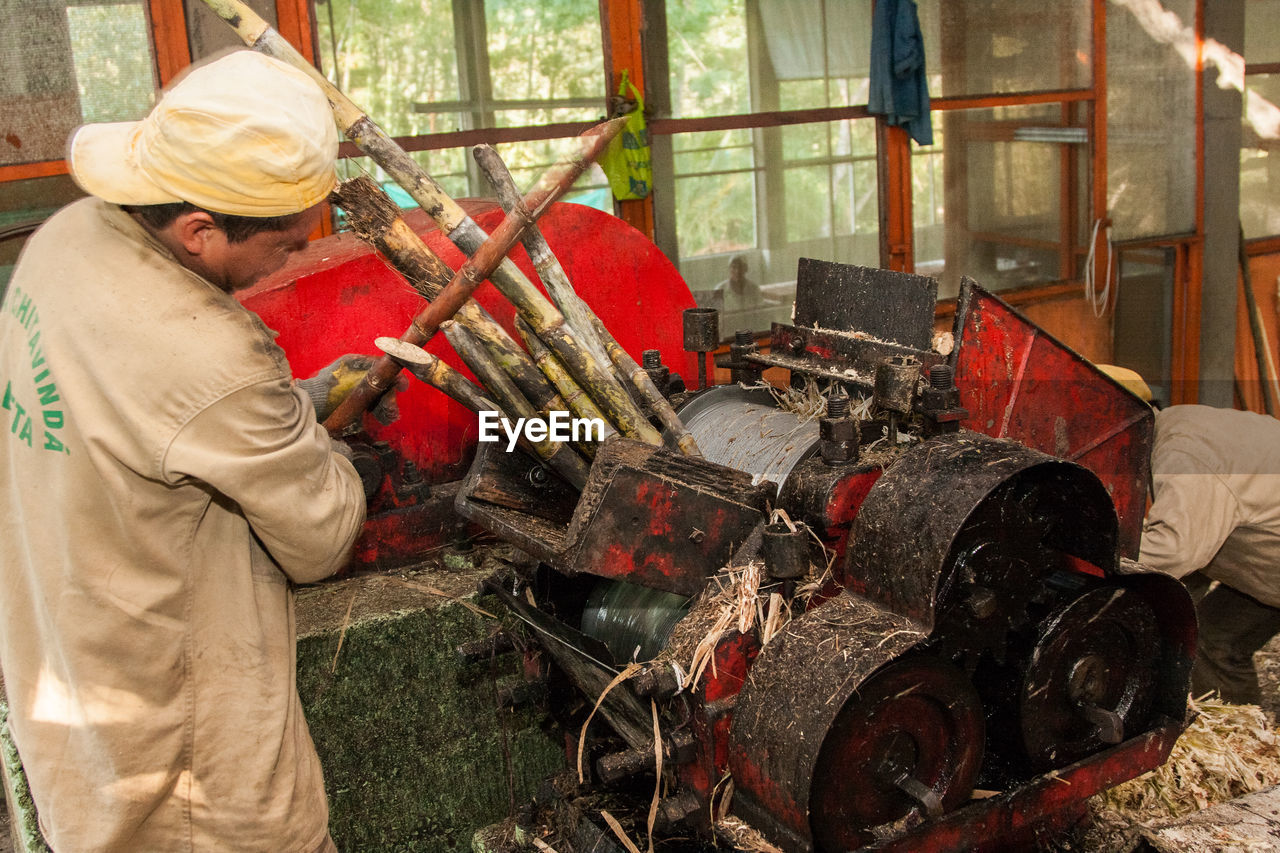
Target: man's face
column 235, row 266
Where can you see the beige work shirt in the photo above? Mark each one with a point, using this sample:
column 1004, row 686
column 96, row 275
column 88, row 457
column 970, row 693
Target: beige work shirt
column 161, row 481
column 1216, row 501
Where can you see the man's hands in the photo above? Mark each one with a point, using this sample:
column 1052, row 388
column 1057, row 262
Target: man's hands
column 328, row 388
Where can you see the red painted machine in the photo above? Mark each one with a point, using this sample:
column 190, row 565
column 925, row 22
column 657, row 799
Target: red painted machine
column 952, row 535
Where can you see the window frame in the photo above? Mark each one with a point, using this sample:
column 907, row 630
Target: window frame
column 627, row 28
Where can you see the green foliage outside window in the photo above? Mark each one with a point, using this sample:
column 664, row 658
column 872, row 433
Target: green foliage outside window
column 109, row 47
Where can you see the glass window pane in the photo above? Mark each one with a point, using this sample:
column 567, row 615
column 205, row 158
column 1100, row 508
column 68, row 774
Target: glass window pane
column 1260, row 140
column 1151, row 126
column 707, row 43
column 113, row 68
column 1260, row 157
column 549, row 115
column 69, row 64
column 545, row 50
column 801, row 94
column 389, row 57
column 808, row 192
column 418, row 68
column 713, row 151
column 988, row 203
column 981, row 47
column 814, row 195
column 863, row 194
column 716, row 213
column 817, row 52
column 1144, row 314
column 805, row 141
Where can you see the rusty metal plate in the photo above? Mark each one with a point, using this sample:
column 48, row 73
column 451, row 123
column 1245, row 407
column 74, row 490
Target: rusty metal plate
column 1019, row 382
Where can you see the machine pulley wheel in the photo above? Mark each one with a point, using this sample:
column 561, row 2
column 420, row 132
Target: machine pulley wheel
column 1091, row 678
column 910, row 739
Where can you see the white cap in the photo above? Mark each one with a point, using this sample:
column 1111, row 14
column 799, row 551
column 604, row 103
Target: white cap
column 246, row 135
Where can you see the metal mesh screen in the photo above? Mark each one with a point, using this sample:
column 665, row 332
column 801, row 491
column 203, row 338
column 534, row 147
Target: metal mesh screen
column 63, row 63
column 1151, row 118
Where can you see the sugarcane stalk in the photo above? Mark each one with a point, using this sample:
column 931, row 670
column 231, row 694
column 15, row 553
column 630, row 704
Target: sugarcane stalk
column 432, row 370
column 584, row 320
column 640, row 378
column 579, row 402
column 452, row 297
column 549, row 270
column 559, row 456
column 380, row 222
column 460, row 228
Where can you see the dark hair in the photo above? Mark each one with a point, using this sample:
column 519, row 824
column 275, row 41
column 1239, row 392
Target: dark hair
column 237, row 228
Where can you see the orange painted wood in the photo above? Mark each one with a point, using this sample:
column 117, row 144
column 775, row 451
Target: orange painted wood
column 623, row 23
column 169, row 35
column 294, row 22
column 897, row 231
column 1188, row 285
column 24, row 171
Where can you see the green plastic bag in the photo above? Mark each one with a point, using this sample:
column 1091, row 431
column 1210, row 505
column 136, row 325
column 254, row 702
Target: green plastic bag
column 626, row 162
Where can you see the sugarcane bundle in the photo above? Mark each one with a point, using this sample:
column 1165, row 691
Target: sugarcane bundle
column 573, row 360
column 594, row 333
column 532, row 305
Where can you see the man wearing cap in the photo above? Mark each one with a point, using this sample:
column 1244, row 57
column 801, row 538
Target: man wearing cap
column 163, row 480
column 1215, row 516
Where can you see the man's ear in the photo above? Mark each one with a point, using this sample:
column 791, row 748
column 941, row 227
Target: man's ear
column 193, row 231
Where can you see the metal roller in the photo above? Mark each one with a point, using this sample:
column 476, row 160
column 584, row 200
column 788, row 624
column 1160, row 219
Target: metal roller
column 909, row 740
column 809, row 679
column 743, row 428
column 632, row 621
column 1089, row 682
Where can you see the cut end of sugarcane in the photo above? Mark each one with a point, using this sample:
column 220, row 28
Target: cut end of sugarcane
column 403, row 351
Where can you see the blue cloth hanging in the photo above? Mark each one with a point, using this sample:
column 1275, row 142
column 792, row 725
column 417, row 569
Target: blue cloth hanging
column 899, row 85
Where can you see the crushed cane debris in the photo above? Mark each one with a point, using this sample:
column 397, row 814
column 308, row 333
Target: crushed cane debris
column 1226, row 752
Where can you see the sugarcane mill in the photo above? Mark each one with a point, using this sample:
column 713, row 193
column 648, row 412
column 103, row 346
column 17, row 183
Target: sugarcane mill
column 886, row 600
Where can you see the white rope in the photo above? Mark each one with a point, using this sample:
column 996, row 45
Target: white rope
column 1098, row 302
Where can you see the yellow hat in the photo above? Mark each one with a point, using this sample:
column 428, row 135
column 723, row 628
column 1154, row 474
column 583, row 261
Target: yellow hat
column 1130, row 379
column 245, row 135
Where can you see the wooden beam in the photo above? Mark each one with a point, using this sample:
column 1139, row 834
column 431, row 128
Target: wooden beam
column 897, row 231
column 25, row 171
column 294, row 22
column 169, row 35
column 623, row 22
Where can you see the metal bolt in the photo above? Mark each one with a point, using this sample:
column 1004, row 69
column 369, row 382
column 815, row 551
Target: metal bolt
column 941, row 377
column 837, row 406
column 651, row 359
column 743, row 337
